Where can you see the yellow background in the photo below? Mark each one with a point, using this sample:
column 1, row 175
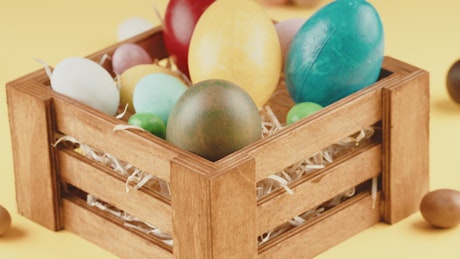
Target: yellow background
column 422, row 33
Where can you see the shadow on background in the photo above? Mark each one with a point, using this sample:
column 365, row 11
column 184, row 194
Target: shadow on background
column 446, row 105
column 13, row 234
column 425, row 227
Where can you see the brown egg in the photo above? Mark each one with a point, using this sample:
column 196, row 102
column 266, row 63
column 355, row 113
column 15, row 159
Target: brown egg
column 441, row 208
column 453, row 81
column 5, row 221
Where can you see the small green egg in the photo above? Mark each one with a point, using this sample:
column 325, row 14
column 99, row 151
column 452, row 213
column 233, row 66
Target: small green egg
column 150, row 122
column 302, row 110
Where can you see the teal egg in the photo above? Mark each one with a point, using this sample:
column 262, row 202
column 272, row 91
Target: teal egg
column 157, row 93
column 149, row 122
column 302, row 110
column 338, row 51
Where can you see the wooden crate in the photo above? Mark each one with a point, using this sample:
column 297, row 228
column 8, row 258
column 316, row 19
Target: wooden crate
column 213, row 211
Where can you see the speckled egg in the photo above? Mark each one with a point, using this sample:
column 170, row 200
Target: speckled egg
column 213, row 119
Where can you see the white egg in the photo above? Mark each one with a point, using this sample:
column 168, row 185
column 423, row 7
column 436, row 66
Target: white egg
column 132, row 27
column 86, row 81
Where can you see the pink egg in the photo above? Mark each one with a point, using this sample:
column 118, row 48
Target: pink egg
column 286, row 31
column 129, row 55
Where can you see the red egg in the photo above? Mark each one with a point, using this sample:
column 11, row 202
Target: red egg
column 180, row 19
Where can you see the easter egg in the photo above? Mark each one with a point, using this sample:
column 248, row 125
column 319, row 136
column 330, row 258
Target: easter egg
column 132, row 27
column 180, row 19
column 338, row 51
column 213, row 119
column 128, row 55
column 149, row 122
column 453, row 81
column 86, row 81
column 237, row 42
column 5, row 220
column 302, row 110
column 130, row 77
column 286, row 31
column 441, row 208
column 157, row 93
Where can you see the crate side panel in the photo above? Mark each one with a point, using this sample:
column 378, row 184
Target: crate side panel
column 95, row 129
column 328, row 231
column 304, row 138
column 95, row 180
column 108, row 234
column 351, row 171
column 406, row 145
column 31, row 125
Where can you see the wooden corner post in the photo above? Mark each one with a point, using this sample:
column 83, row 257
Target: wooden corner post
column 405, row 145
column 214, row 212
column 31, row 125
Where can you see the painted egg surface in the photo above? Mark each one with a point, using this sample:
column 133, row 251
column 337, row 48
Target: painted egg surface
column 214, row 118
column 157, row 94
column 235, row 40
column 86, row 81
column 180, row 19
column 128, row 55
column 130, row 77
column 338, row 51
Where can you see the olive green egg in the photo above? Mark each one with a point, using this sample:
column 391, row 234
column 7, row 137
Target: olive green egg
column 213, row 119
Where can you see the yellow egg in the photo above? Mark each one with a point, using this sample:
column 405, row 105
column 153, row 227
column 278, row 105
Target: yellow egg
column 130, row 77
column 236, row 41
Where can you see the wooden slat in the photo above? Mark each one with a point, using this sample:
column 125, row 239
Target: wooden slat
column 346, row 173
column 31, row 125
column 328, row 230
column 406, row 145
column 190, row 201
column 95, row 179
column 109, row 234
column 319, row 130
column 233, row 211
